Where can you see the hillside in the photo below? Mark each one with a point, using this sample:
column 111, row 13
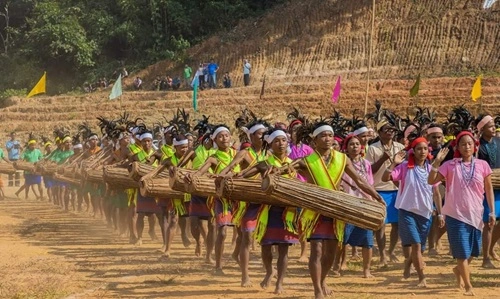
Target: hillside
column 302, row 48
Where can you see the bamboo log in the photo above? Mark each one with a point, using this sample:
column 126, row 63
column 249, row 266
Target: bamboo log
column 66, row 179
column 49, row 168
column 23, row 165
column 158, row 187
column 201, row 186
column 138, row 170
column 95, row 175
column 176, row 180
column 245, row 190
column 119, row 177
column 361, row 212
column 7, row 168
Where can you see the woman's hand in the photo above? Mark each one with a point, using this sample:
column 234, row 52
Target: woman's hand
column 441, row 155
column 399, row 157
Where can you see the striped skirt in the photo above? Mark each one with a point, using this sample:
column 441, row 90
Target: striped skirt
column 198, row 207
column 147, row 204
column 324, row 229
column 413, row 228
column 464, row 239
column 249, row 220
column 275, row 230
column 223, row 212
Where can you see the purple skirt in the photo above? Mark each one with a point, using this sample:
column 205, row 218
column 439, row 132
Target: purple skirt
column 198, row 207
column 147, row 205
column 275, row 231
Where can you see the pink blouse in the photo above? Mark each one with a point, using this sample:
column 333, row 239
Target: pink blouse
column 464, row 202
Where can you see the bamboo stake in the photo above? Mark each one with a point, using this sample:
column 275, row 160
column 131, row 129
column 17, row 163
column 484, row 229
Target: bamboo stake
column 370, row 57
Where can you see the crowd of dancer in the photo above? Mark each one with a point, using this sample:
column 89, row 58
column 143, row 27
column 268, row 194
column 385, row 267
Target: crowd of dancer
column 432, row 178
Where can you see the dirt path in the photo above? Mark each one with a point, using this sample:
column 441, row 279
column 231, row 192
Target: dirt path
column 49, row 253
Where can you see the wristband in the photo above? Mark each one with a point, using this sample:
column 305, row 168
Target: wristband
column 440, row 216
column 491, row 214
column 434, row 169
column 388, row 170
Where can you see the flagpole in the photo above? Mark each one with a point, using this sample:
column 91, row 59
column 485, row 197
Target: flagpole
column 370, row 58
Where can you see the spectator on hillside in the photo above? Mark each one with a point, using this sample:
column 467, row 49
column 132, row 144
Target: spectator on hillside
column 227, row 81
column 199, row 76
column 124, row 73
column 246, row 72
column 188, row 72
column 157, row 84
column 212, row 74
column 176, row 83
column 137, row 83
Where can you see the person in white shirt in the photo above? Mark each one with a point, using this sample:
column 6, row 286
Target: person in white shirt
column 246, row 72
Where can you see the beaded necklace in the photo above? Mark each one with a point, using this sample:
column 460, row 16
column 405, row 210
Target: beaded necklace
column 468, row 175
column 360, row 167
column 421, row 173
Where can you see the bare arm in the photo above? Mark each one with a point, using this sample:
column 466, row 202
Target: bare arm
column 398, row 159
column 240, row 156
column 361, row 183
column 376, row 165
column 211, row 162
column 490, row 199
column 435, row 176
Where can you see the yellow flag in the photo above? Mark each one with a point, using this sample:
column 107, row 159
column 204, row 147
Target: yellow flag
column 39, row 87
column 476, row 89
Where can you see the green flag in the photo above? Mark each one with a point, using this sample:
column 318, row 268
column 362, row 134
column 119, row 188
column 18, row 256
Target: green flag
column 195, row 94
column 116, row 91
column 415, row 88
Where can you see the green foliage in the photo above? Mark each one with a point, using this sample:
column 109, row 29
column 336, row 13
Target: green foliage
column 77, row 41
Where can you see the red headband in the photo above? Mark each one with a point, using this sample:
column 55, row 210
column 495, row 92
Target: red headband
column 345, row 142
column 411, row 156
column 294, row 123
column 454, row 143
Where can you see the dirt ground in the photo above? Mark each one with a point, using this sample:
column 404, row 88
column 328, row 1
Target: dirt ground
column 46, row 252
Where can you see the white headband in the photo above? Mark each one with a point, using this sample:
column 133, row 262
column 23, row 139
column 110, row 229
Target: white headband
column 134, row 130
column 322, row 129
column 483, row 122
column 78, row 146
column 93, row 137
column 219, row 130
column 146, row 135
column 255, row 128
column 360, row 131
column 182, row 142
column 277, row 133
column 434, row 130
column 123, row 135
column 167, row 129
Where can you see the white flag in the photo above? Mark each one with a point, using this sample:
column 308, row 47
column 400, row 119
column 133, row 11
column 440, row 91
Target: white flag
column 488, row 3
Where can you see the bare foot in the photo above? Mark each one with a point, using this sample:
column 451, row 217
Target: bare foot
column 197, row 250
column 246, row 283
column 336, row 273
column 383, row 261
column 326, row 290
column 138, row 242
column 166, row 254
column 209, row 260
column 460, row 283
column 236, row 257
column 367, row 274
column 319, row 295
column 267, row 280
column 494, row 256
column 407, row 269
column 433, row 252
column 219, row 272
column 422, row 284
column 393, row 258
column 303, row 259
column 278, row 290
column 186, row 242
column 487, row 264
column 469, row 292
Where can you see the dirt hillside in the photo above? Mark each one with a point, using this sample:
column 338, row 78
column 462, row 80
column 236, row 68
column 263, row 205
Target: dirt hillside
column 302, row 47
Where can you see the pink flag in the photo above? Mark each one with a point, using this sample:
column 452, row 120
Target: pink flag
column 336, row 92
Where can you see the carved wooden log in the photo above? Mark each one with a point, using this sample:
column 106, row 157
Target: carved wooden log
column 176, row 180
column 245, row 190
column 138, row 170
column 7, row 168
column 361, row 212
column 119, row 177
column 66, row 179
column 158, row 187
column 23, row 165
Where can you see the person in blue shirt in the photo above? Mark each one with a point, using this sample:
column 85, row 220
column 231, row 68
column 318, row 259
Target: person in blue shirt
column 14, row 149
column 212, row 74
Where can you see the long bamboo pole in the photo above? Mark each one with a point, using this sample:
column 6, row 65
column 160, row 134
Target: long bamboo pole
column 370, row 53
